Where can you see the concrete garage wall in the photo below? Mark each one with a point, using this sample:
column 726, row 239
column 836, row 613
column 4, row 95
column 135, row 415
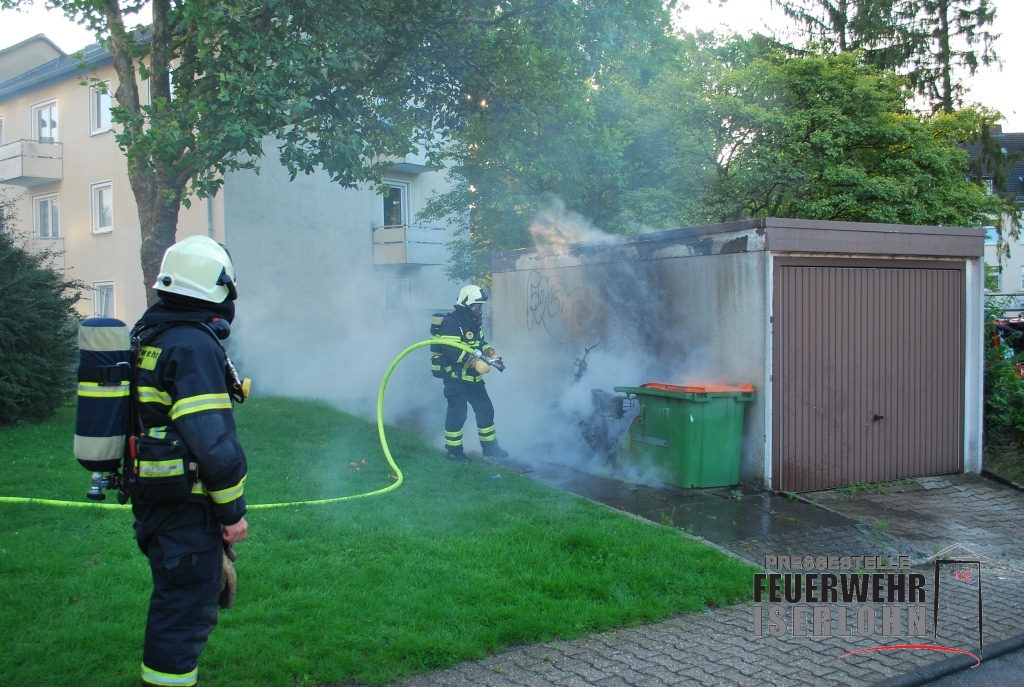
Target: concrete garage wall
column 667, row 307
column 719, row 304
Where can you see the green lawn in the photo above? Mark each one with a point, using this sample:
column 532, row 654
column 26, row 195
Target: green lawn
column 451, row 566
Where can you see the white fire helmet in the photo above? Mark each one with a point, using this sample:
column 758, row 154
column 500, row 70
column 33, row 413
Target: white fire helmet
column 197, row 267
column 472, row 294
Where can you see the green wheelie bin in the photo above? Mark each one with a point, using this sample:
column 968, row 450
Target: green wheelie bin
column 690, row 436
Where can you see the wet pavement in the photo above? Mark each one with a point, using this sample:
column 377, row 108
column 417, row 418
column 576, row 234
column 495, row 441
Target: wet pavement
column 966, row 517
column 718, row 515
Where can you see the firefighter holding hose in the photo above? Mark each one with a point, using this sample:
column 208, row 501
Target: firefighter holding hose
column 190, row 468
column 463, row 375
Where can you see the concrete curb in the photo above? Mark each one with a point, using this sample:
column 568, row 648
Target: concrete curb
column 1002, row 480
column 923, row 676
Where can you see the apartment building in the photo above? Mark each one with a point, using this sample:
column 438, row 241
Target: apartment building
column 1008, row 270
column 325, row 273
column 61, row 166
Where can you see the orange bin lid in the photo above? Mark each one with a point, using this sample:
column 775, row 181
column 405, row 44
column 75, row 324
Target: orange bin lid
column 699, row 388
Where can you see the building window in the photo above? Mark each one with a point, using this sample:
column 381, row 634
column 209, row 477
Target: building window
column 395, row 200
column 44, row 122
column 102, row 207
column 103, row 299
column 46, row 217
column 1022, row 278
column 991, row 236
column 99, row 108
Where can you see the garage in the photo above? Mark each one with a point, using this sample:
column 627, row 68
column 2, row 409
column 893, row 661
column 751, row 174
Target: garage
column 863, row 341
column 869, row 371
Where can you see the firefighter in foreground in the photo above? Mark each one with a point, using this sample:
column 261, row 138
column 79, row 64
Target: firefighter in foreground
column 188, row 503
column 463, row 375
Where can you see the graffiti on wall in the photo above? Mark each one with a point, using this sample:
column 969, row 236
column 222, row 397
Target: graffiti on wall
column 555, row 308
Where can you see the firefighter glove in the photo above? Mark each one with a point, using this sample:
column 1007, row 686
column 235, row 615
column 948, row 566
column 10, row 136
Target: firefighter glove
column 480, row 366
column 229, row 582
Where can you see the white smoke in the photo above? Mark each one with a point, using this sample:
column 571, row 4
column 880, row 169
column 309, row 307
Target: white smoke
column 310, row 330
column 545, row 415
column 556, row 231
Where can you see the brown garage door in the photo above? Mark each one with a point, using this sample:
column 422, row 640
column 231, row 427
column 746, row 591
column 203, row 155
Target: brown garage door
column 867, row 370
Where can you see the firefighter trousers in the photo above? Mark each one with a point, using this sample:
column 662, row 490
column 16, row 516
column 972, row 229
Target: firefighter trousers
column 185, row 561
column 460, row 395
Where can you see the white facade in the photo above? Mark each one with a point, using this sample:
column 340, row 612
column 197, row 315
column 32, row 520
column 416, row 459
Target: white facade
column 1007, row 272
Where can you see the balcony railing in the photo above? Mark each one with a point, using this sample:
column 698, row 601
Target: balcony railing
column 31, row 163
column 409, row 244
column 1006, row 304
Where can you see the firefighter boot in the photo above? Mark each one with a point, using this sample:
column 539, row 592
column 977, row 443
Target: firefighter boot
column 492, row 450
column 457, row 454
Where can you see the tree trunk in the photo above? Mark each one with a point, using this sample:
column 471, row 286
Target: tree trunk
column 158, row 219
column 945, row 57
column 842, row 17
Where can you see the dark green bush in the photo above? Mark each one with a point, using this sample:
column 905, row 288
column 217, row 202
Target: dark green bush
column 38, row 329
column 1004, row 385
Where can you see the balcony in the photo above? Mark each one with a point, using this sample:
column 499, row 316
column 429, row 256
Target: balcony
column 408, row 244
column 31, row 163
column 413, row 163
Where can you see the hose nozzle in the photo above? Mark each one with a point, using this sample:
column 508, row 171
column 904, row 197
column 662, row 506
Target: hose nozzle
column 493, row 362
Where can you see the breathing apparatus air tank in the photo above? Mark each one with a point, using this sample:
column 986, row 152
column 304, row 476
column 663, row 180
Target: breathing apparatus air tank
column 103, row 420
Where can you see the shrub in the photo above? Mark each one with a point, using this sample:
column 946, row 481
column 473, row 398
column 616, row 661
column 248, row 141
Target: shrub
column 38, row 328
column 1004, row 367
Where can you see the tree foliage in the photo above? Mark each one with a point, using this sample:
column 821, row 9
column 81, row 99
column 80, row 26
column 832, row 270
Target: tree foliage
column 837, row 26
column 38, row 334
column 556, row 144
column 339, row 86
column 934, row 42
column 826, row 137
column 680, row 136
column 949, row 35
column 707, row 131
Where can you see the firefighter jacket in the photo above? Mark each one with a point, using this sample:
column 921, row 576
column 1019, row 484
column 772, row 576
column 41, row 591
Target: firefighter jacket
column 187, row 426
column 461, row 324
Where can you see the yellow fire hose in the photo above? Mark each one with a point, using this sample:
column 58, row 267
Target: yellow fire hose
column 380, row 431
